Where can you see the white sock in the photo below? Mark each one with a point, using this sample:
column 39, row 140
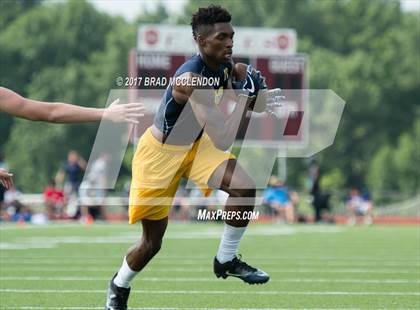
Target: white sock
column 230, row 242
column 125, row 275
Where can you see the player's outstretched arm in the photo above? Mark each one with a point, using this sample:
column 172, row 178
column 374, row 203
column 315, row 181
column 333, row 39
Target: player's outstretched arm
column 57, row 112
column 6, row 178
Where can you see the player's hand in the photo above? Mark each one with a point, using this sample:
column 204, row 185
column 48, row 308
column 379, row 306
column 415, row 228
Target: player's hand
column 6, row 178
column 252, row 84
column 120, row 113
column 268, row 100
column 252, row 87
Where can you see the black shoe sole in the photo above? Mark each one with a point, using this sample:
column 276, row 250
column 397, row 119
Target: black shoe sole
column 224, row 276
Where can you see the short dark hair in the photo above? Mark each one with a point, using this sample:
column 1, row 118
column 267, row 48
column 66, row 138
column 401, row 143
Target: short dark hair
column 208, row 16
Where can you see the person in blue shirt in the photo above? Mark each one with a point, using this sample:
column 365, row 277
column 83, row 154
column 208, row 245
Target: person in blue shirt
column 278, row 198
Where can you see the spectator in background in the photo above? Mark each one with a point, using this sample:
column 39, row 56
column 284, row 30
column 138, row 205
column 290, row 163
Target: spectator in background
column 15, row 209
column 320, row 199
column 73, row 171
column 12, row 197
column 92, row 191
column 22, row 214
column 54, row 201
column 71, row 174
column 359, row 206
column 278, row 199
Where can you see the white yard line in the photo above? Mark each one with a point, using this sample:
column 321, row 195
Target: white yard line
column 214, row 292
column 200, row 279
column 208, row 233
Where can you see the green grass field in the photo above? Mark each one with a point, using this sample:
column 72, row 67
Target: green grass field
column 311, row 267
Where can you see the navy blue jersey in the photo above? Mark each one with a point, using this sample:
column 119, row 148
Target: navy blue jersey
column 179, row 118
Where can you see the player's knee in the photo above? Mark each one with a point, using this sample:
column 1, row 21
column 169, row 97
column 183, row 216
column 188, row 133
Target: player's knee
column 155, row 247
column 247, row 192
column 152, row 247
column 243, row 188
column 247, row 189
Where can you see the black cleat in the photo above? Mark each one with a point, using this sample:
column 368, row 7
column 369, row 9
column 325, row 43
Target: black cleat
column 117, row 296
column 239, row 269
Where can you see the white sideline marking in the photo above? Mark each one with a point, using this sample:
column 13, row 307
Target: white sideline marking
column 191, row 279
column 126, row 238
column 25, row 246
column 179, row 227
column 193, row 269
column 228, row 292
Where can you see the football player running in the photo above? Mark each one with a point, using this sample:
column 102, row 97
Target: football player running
column 189, row 139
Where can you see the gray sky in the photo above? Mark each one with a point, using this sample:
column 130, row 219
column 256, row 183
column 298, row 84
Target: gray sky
column 131, row 8
column 410, row 5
